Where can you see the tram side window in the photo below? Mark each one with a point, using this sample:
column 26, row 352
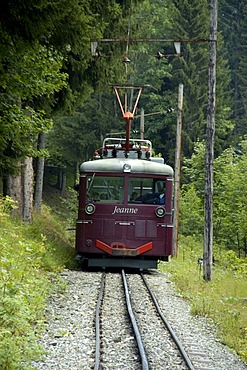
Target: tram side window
column 146, row 191
column 105, row 189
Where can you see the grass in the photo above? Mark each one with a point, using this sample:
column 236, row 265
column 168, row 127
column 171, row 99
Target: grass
column 31, row 255
column 224, row 300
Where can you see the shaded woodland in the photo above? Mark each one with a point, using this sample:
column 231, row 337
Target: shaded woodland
column 57, row 102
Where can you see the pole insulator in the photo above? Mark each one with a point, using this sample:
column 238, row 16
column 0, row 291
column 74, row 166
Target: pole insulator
column 128, row 116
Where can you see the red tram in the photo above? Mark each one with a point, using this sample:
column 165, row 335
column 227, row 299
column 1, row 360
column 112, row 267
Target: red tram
column 125, row 203
column 125, row 208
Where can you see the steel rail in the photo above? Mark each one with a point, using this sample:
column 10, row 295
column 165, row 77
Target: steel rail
column 97, row 323
column 134, row 325
column 168, row 326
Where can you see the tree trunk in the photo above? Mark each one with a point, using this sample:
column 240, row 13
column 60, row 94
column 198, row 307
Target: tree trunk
column 38, row 192
column 27, row 178
column 13, row 188
column 20, row 188
column 63, row 185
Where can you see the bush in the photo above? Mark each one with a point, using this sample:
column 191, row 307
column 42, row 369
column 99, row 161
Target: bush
column 30, row 254
column 223, row 300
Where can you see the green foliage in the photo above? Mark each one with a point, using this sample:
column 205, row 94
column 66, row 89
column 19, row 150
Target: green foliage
column 182, row 20
column 230, row 199
column 191, row 210
column 27, row 253
column 40, row 52
column 76, row 135
column 44, row 64
column 33, row 72
column 191, row 21
column 74, row 139
column 223, row 301
column 70, row 203
column 7, row 204
column 21, row 304
column 20, row 127
column 232, row 23
column 230, row 193
column 230, row 261
column 194, row 168
column 28, row 74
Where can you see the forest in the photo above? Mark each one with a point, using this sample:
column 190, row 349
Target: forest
column 57, row 101
column 56, row 106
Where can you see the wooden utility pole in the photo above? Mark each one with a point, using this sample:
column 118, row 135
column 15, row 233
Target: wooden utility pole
column 142, row 125
column 208, row 204
column 177, row 171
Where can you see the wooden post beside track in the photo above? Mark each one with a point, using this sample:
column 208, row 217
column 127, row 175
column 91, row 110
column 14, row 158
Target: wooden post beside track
column 208, row 202
column 177, row 171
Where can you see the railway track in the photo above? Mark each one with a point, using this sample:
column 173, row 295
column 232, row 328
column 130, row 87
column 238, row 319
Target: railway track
column 115, row 341
column 135, row 305
column 69, row 338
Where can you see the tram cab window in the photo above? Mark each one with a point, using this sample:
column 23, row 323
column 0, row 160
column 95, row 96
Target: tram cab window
column 146, row 191
column 105, row 189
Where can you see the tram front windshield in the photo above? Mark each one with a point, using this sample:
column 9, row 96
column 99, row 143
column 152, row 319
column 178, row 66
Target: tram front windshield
column 146, row 190
column 105, row 189
column 109, row 189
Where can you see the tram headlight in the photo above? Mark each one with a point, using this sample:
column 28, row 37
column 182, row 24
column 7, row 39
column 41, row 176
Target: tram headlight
column 160, row 211
column 90, row 208
column 126, row 167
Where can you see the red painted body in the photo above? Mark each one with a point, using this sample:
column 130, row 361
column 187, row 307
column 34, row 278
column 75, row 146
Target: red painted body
column 121, row 231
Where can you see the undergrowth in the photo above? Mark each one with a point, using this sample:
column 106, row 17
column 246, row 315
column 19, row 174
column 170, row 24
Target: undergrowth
column 31, row 255
column 224, row 300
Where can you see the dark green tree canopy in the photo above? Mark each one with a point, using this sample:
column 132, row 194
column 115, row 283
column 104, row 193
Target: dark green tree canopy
column 47, row 68
column 45, row 63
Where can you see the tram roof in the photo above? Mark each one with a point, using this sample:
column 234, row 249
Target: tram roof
column 120, row 165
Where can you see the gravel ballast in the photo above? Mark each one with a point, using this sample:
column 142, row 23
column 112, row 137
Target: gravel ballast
column 69, row 340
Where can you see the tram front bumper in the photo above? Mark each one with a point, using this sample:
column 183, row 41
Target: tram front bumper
column 119, row 248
